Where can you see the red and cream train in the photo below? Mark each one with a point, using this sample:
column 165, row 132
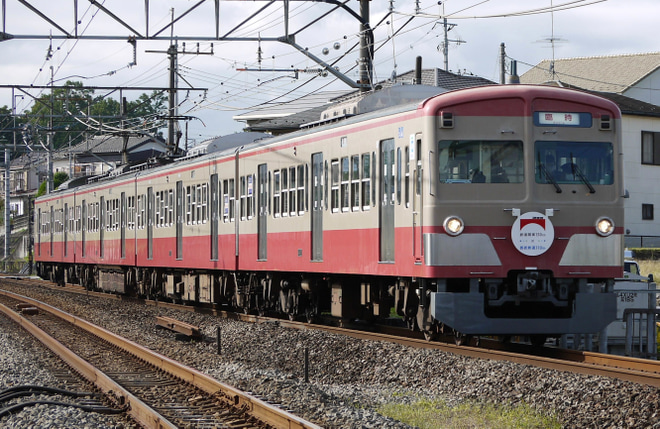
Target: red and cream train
column 492, row 211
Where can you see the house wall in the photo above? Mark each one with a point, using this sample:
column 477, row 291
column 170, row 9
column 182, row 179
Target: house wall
column 640, row 180
column 646, row 89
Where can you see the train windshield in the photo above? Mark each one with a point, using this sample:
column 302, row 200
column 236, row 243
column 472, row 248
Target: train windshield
column 481, row 161
column 589, row 163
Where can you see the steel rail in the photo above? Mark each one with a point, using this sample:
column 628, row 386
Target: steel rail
column 642, row 371
column 138, row 410
column 258, row 408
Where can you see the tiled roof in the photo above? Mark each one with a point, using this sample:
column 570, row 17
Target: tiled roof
column 614, row 73
column 109, row 144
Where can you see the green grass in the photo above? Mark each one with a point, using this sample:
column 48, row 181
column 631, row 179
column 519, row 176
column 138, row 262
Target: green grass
column 434, row 414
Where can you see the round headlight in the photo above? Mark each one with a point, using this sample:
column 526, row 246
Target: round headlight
column 453, row 225
column 604, row 226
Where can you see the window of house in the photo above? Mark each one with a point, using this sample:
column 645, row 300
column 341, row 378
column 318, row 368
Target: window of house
column 647, row 211
column 650, row 148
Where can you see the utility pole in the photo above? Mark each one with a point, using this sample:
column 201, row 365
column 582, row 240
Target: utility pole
column 502, row 64
column 172, row 143
column 366, row 48
column 49, row 139
column 445, row 44
column 7, row 207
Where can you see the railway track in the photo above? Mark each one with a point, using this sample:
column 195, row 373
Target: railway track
column 636, row 370
column 155, row 390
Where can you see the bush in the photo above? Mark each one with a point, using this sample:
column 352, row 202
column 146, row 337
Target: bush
column 646, row 253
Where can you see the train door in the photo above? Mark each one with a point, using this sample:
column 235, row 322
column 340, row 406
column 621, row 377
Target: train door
column 262, row 217
column 215, row 198
column 101, row 225
column 317, row 207
column 51, row 230
column 39, row 231
column 387, row 197
column 416, row 160
column 83, row 228
column 66, row 229
column 179, row 219
column 150, row 223
column 122, row 223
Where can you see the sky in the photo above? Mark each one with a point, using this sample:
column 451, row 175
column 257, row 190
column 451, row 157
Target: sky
column 579, row 28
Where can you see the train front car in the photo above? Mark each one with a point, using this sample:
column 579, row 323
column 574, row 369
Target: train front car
column 523, row 235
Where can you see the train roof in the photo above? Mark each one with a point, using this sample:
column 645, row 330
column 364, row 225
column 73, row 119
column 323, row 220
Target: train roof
column 423, row 99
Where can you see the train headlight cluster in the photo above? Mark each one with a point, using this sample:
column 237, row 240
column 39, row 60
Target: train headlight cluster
column 453, row 225
column 604, row 226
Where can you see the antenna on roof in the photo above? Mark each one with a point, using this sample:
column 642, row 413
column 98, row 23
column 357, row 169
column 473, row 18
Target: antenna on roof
column 553, row 42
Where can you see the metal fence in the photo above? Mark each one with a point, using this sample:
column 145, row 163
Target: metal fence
column 641, row 241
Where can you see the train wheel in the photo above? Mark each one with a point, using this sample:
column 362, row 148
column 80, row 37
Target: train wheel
column 538, row 340
column 429, row 335
column 461, row 339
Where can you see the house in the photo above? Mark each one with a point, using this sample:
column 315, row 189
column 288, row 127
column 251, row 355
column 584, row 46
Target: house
column 633, row 75
column 102, row 153
column 633, row 82
column 96, row 155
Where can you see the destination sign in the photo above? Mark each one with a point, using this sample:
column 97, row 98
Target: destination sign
column 558, row 118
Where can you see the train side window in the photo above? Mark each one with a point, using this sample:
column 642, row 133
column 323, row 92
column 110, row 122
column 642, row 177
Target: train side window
column 204, row 203
column 345, row 181
column 277, row 203
column 170, row 210
column 140, row 212
column 157, row 209
column 302, row 194
column 188, row 205
column 130, row 212
column 199, row 205
column 292, row 191
column 285, row 192
column 366, row 181
column 334, row 174
column 232, row 200
column 355, row 182
column 250, row 196
column 165, row 208
column 228, row 200
column 242, row 197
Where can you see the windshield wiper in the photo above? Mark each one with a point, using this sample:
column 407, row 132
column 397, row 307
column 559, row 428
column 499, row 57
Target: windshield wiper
column 548, row 176
column 578, row 172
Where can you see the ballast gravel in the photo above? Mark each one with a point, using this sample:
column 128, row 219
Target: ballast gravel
column 350, row 378
column 24, row 362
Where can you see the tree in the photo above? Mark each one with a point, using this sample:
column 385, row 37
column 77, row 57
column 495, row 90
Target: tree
column 77, row 110
column 58, row 178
